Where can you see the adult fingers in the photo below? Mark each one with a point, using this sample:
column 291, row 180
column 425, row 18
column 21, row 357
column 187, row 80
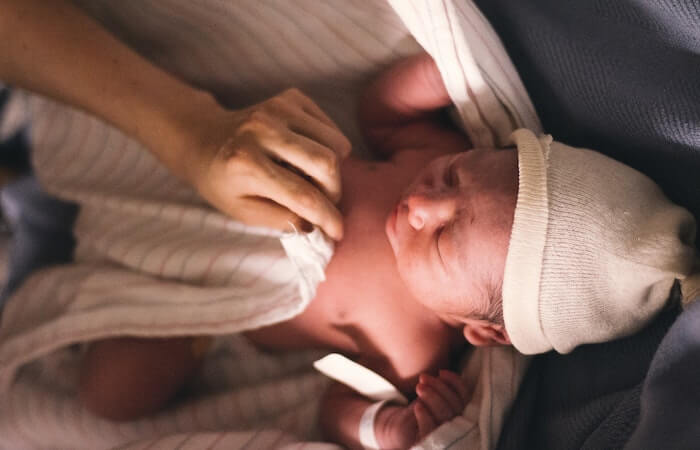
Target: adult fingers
column 299, row 196
column 306, row 120
column 309, row 106
column 266, row 213
column 309, row 157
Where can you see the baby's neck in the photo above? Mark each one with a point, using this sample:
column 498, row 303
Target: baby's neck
column 362, row 283
column 363, row 308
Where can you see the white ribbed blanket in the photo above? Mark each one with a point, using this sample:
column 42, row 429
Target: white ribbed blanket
column 153, row 260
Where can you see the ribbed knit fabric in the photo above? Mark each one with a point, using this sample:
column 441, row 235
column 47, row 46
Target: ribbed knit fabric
column 594, row 251
column 523, row 269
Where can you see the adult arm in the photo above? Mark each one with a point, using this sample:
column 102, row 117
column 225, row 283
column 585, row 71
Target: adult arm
column 239, row 161
column 401, row 109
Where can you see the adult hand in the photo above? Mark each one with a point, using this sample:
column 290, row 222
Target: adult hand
column 275, row 164
column 270, row 164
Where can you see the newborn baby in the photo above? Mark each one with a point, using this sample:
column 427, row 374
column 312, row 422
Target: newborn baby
column 435, row 251
column 421, row 259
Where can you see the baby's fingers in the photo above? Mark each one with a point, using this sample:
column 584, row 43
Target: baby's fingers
column 445, row 392
column 455, row 382
column 439, row 407
column 425, row 420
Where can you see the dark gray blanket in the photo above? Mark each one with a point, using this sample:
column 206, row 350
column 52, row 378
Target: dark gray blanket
column 41, row 231
column 622, row 77
column 40, row 224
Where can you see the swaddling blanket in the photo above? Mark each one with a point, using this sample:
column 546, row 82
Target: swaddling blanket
column 152, row 259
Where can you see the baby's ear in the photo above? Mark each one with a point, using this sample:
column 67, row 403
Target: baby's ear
column 482, row 333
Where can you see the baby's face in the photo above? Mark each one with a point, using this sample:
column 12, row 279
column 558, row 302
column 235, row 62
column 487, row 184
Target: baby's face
column 450, row 230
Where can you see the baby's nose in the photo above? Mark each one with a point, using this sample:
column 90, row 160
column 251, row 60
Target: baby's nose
column 429, row 210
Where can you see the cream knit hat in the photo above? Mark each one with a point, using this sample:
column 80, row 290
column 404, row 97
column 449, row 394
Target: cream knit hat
column 594, row 250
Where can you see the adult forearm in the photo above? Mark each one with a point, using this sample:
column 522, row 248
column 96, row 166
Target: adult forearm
column 232, row 158
column 53, row 48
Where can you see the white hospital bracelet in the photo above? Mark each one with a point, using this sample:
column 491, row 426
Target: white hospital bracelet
column 366, row 430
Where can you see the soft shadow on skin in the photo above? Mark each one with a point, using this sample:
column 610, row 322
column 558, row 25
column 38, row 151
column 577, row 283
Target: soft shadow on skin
column 449, row 361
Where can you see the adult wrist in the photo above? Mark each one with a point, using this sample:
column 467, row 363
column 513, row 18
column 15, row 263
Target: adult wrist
column 180, row 131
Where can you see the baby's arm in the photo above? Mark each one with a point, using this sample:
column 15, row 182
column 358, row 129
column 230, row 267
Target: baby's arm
column 439, row 399
column 401, row 109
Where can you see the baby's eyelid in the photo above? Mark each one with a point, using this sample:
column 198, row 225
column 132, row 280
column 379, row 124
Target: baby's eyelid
column 450, row 177
column 439, row 234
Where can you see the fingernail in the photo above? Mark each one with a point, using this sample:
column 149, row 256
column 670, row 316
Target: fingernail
column 338, row 235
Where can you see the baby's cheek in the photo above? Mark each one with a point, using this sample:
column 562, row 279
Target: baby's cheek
column 405, row 274
column 418, row 281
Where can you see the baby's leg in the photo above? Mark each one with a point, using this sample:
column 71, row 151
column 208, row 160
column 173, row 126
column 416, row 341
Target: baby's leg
column 127, row 378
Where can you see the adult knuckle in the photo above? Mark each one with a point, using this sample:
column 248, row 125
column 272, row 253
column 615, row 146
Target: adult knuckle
column 240, row 159
column 287, row 140
column 292, row 92
column 254, row 122
column 276, row 104
column 328, row 162
column 296, row 96
column 258, row 117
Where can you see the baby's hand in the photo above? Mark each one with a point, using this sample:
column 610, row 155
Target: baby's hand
column 439, row 400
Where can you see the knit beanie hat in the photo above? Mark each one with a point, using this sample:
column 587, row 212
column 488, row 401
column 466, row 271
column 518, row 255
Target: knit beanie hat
column 594, row 251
